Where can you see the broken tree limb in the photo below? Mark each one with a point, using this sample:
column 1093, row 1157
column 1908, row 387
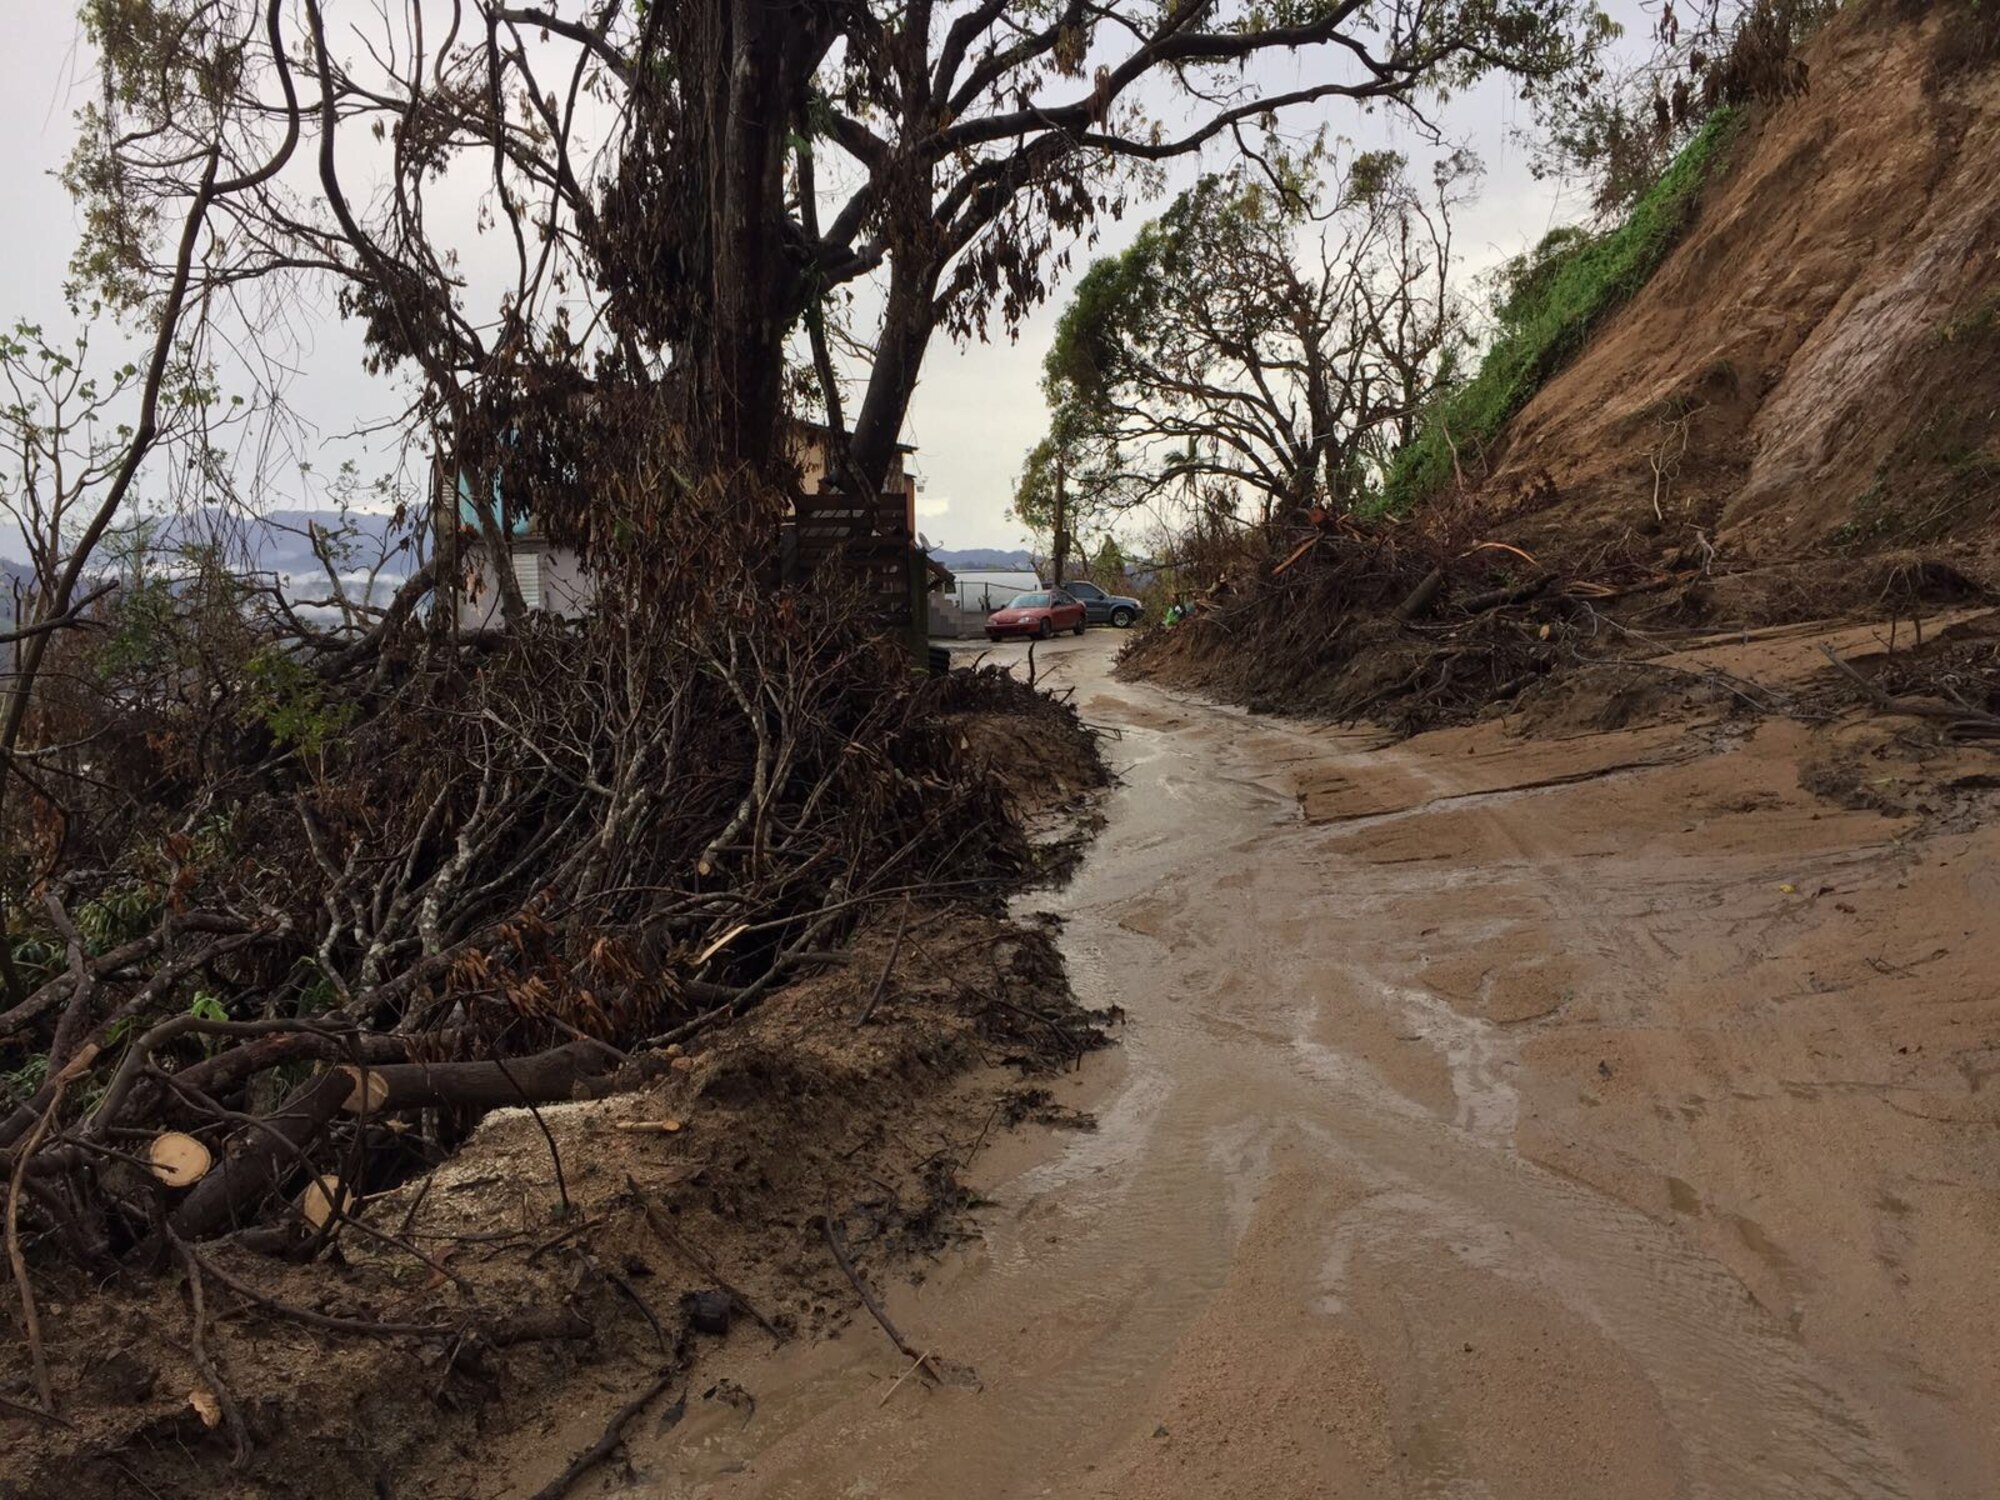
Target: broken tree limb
column 525, row 1326
column 204, row 1364
column 917, row 1364
column 219, row 1074
column 17, row 1264
column 1296, row 553
column 888, row 968
column 543, row 1078
column 680, row 1245
column 1498, row 598
column 903, row 1346
column 1957, row 716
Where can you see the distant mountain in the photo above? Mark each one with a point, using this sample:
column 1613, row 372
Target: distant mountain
column 985, row 559
column 279, row 542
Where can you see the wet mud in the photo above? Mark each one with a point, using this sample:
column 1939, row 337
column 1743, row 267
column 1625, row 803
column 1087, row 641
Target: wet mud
column 1595, row 1117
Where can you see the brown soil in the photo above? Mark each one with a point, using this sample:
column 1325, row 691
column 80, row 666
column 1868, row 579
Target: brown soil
column 1829, row 329
column 1534, row 1117
column 790, row 1116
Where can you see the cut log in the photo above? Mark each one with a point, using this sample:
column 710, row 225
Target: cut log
column 321, row 1196
column 217, row 1075
column 370, row 1092
column 179, row 1160
column 544, row 1078
column 257, row 1158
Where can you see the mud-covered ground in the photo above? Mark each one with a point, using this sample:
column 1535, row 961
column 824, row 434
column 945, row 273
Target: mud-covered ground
column 477, row 1328
column 1597, row 1113
column 1594, row 1102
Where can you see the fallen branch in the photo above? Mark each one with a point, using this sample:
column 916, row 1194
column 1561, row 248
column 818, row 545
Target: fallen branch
column 1296, row 553
column 1421, row 598
column 205, row 1367
column 17, row 1264
column 882, row 983
column 46, row 1418
column 608, row 1441
column 903, row 1346
column 917, row 1364
column 1957, row 716
column 529, row 1326
column 1476, row 604
column 544, row 1078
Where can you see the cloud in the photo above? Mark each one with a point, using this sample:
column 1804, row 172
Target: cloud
column 933, row 505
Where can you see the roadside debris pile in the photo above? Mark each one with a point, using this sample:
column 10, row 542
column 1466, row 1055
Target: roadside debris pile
column 1403, row 626
column 1416, row 626
column 308, row 914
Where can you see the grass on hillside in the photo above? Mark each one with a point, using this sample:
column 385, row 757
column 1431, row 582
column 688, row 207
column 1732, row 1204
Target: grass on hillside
column 1549, row 319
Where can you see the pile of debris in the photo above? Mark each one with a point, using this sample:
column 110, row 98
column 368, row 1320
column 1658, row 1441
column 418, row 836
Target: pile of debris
column 292, row 941
column 1395, row 625
column 1421, row 625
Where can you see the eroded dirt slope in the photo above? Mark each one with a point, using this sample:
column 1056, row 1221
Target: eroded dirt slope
column 1819, row 359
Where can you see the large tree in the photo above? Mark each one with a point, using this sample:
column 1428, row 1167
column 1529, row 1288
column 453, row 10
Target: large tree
column 1274, row 334
column 575, row 221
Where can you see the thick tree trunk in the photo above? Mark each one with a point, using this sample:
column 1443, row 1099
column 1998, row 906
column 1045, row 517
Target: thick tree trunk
column 258, row 1158
column 744, row 68
column 907, row 323
column 1060, row 564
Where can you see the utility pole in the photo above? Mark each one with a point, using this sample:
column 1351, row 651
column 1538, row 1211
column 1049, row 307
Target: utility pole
column 1062, row 519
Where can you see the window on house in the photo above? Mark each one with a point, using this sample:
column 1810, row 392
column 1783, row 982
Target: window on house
column 528, row 575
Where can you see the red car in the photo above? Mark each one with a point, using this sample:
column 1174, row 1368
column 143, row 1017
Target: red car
column 1040, row 614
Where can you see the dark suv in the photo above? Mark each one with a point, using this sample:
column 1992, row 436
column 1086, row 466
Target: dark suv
column 1100, row 608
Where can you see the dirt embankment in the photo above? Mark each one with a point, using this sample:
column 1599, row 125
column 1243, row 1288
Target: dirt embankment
column 474, row 1328
column 1797, row 418
column 1818, row 362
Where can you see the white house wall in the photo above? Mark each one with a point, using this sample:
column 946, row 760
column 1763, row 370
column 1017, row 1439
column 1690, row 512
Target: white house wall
column 557, row 575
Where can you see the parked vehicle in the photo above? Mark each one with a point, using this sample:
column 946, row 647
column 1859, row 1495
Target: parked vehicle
column 988, row 589
column 1042, row 613
column 1100, row 608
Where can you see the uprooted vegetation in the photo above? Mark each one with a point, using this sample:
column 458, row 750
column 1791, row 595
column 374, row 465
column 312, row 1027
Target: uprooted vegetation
column 310, row 908
column 1422, row 625
column 580, row 1243
column 1727, row 414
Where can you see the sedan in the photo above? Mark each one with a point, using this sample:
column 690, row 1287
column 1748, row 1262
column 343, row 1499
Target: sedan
column 1101, row 608
column 1041, row 614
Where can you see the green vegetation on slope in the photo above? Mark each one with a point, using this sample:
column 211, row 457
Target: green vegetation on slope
column 1551, row 300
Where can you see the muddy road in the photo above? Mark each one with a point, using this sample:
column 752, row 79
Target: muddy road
column 1604, row 1116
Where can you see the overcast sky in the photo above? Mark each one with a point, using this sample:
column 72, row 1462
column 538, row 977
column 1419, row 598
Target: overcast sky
column 979, row 407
